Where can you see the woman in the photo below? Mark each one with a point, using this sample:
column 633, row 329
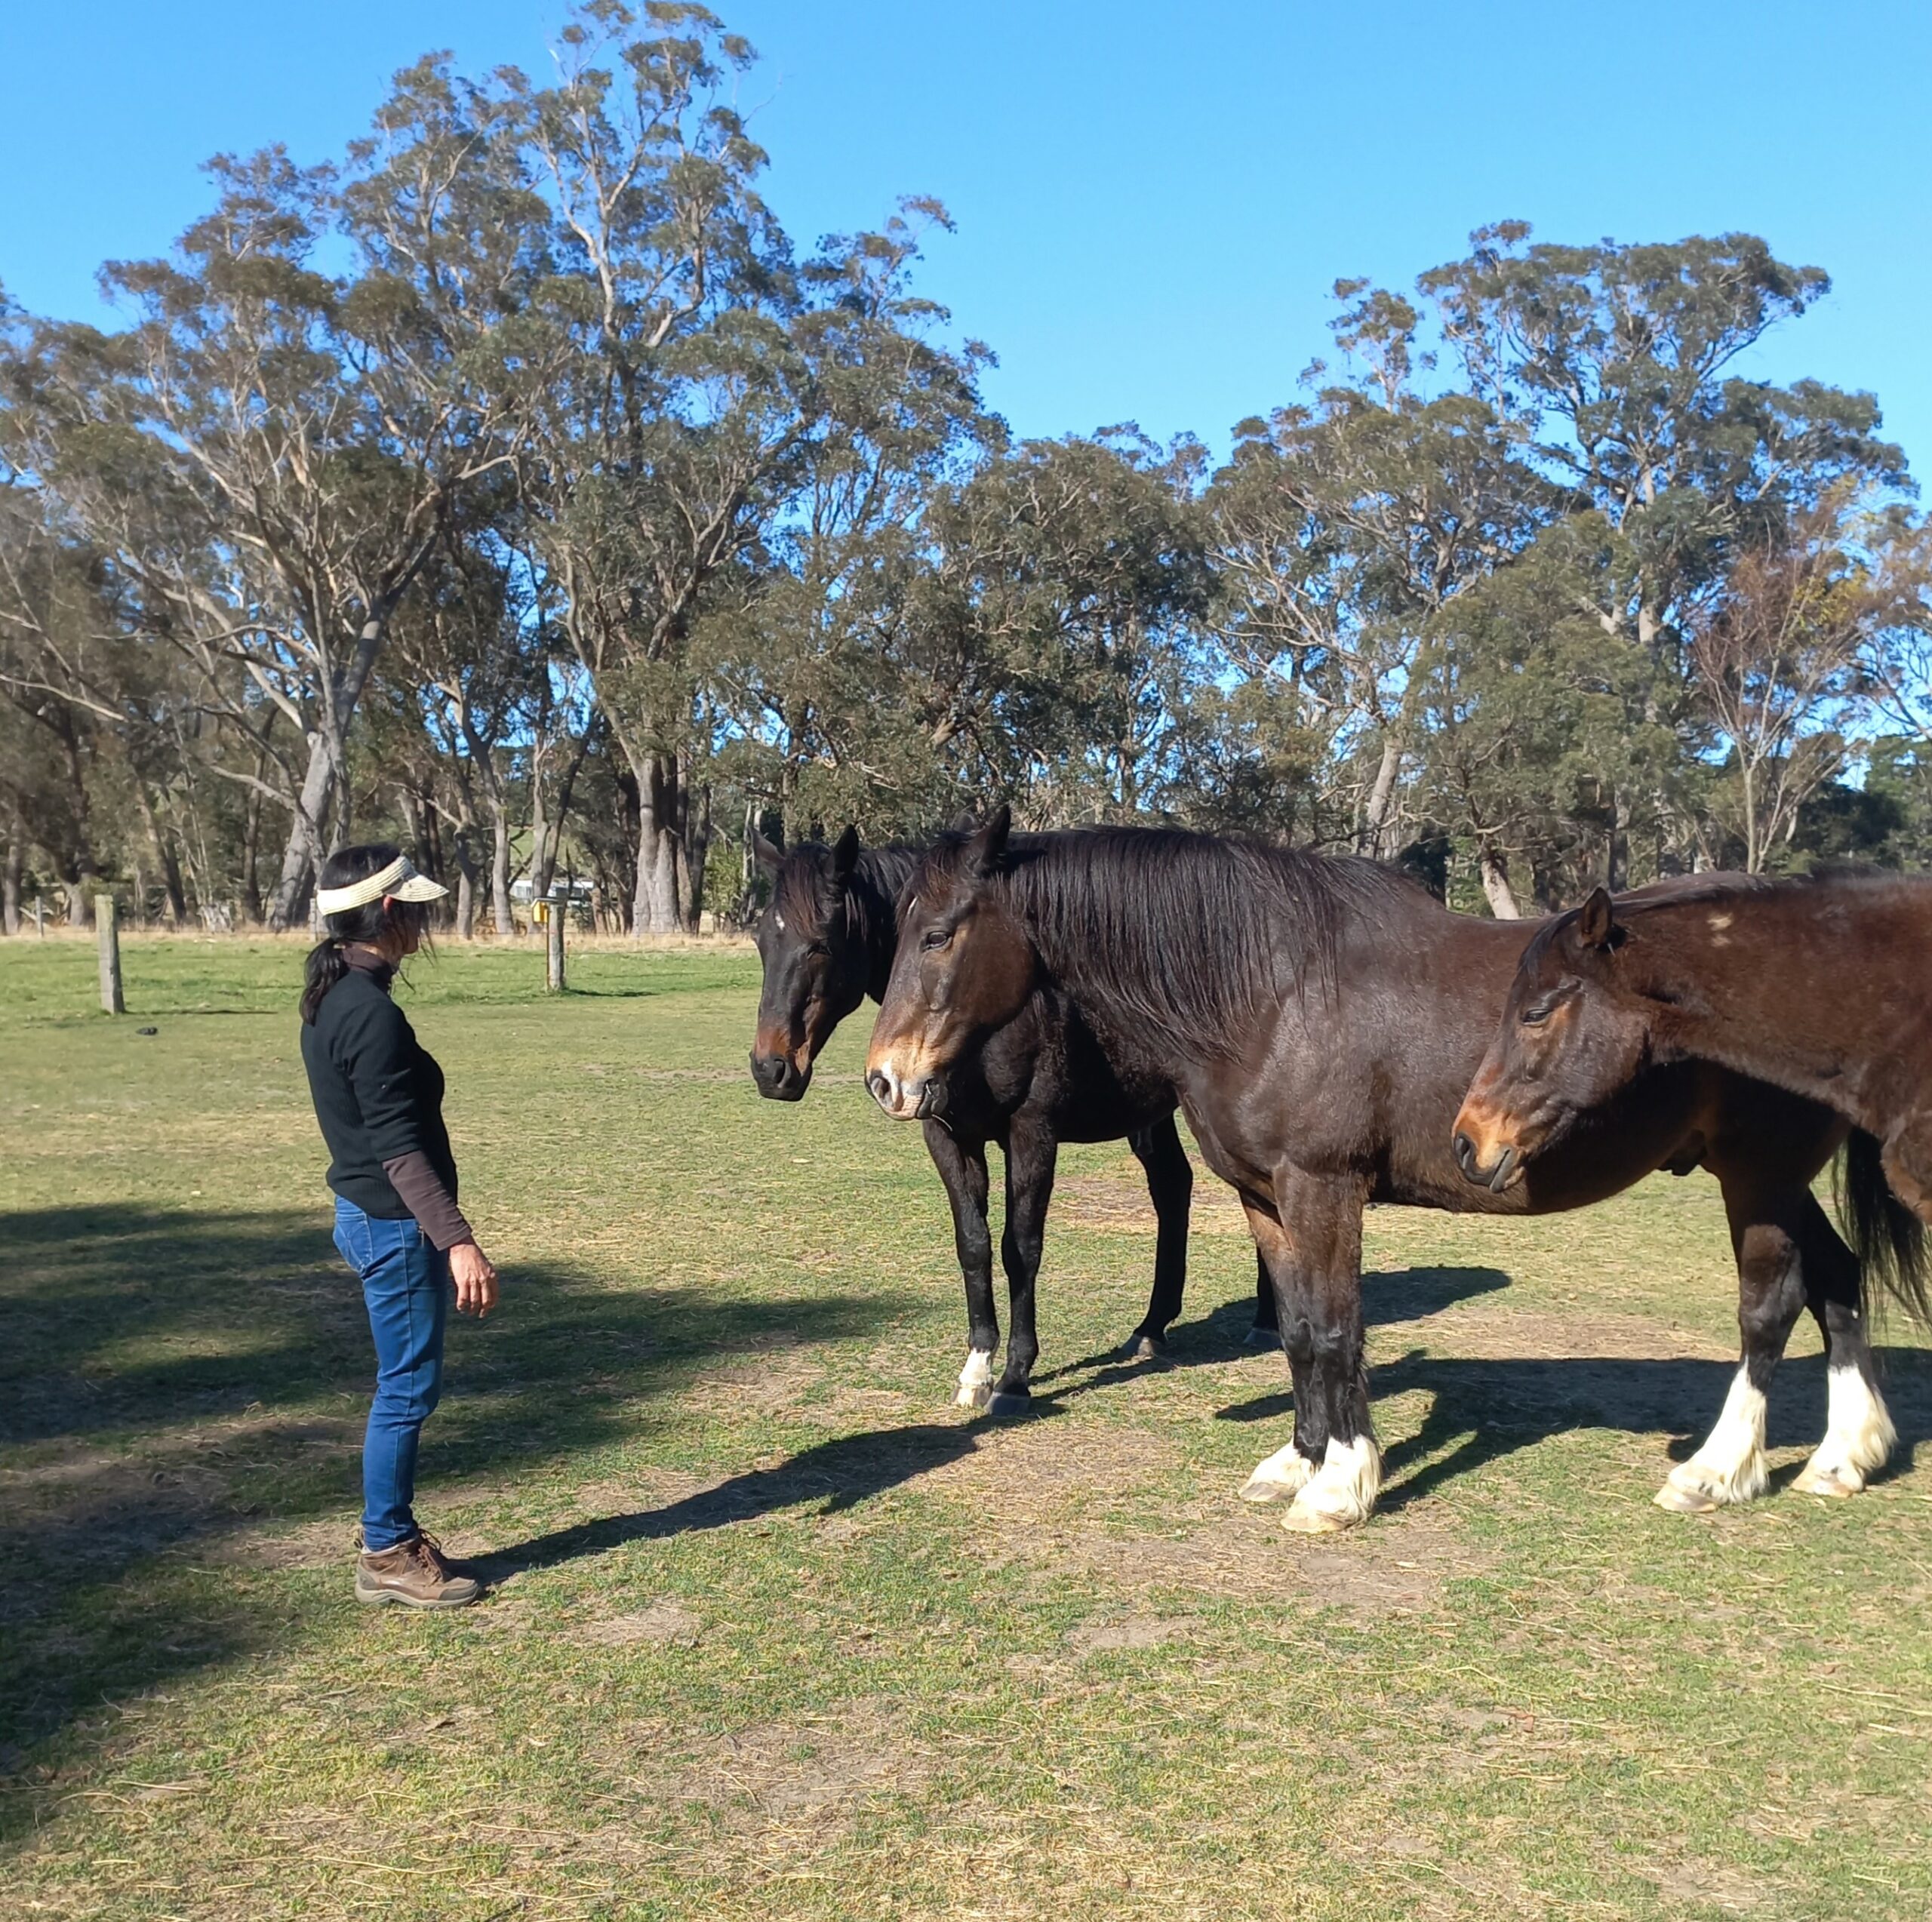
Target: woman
column 379, row 1097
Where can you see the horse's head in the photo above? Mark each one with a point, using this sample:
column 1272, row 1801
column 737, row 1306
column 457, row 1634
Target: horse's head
column 964, row 966
column 814, row 957
column 1574, row 1033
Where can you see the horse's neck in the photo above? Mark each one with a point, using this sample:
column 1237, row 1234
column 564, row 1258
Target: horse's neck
column 873, row 891
column 1823, row 995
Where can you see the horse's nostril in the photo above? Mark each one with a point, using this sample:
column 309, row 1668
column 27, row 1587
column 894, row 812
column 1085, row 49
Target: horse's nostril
column 1465, row 1151
column 880, row 1087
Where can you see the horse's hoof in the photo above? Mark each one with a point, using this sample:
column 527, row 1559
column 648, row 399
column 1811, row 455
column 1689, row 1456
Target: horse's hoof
column 1258, row 1337
column 1005, row 1402
column 1831, row 1482
column 1685, row 1501
column 1261, row 1491
column 1143, row 1348
column 975, row 1394
column 1302, row 1519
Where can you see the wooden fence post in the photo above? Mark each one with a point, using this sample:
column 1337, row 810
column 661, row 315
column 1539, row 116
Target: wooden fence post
column 105, row 915
column 558, row 902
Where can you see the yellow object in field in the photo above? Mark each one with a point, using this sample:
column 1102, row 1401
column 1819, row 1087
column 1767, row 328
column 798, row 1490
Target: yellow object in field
column 539, row 911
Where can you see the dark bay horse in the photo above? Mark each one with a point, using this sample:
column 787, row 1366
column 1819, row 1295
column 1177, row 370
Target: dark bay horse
column 1320, row 1018
column 825, row 941
column 1820, row 986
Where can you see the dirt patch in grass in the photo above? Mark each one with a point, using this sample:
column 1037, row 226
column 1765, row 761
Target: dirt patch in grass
column 1404, row 1565
column 1119, row 1204
column 762, row 1386
column 1129, row 1632
column 809, row 1775
column 666, row 1622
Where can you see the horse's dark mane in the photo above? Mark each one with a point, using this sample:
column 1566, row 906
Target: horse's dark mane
column 1186, row 935
column 1692, row 890
column 873, row 907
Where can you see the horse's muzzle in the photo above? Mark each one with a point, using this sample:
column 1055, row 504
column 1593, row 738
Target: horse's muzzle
column 778, row 1078
column 917, row 1100
column 1497, row 1179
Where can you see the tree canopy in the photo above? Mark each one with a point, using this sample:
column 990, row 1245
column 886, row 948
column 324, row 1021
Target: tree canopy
column 515, row 485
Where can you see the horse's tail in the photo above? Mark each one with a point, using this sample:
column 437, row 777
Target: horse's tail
column 1887, row 1237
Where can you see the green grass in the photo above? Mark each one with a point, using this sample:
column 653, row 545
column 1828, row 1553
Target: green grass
column 779, row 1634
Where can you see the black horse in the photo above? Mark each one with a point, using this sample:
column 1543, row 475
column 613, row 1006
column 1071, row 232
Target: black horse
column 1039, row 1078
column 1320, row 1019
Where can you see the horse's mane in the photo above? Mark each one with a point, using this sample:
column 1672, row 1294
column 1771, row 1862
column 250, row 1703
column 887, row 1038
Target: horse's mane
column 1693, row 890
column 1183, row 934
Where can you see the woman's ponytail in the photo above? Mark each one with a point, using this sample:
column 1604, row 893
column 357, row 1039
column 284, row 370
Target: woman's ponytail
column 327, row 964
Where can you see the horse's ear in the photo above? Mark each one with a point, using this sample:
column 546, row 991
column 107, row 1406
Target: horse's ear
column 987, row 848
column 1596, row 922
column 844, row 856
column 767, row 856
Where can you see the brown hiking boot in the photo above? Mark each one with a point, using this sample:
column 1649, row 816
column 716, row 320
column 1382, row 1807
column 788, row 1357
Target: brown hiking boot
column 414, row 1573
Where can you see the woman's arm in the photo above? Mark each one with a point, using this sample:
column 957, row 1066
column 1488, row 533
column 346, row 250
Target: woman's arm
column 379, row 1055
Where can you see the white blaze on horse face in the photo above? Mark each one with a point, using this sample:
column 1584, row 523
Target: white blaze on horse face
column 975, row 1380
column 1343, row 1491
column 1280, row 1478
column 1730, row 1467
column 1859, row 1437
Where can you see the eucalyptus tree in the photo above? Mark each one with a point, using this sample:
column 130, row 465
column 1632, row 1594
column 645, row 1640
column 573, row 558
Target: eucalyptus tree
column 1614, row 365
column 803, row 655
column 1042, row 627
column 665, row 397
column 269, row 453
column 1343, row 527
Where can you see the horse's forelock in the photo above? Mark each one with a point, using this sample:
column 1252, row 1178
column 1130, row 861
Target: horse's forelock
column 801, row 893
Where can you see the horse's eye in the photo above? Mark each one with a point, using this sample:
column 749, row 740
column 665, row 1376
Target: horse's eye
column 1536, row 1014
column 935, row 939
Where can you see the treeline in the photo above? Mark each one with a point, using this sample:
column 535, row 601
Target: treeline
column 517, row 488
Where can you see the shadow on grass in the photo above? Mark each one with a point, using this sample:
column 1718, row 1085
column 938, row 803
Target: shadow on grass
column 854, row 1467
column 1407, row 1294
column 841, row 1473
column 170, row 1380
column 1481, row 1410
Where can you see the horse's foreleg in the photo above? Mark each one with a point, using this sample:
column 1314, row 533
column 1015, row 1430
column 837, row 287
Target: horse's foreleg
column 1859, row 1434
column 1030, row 1157
column 1281, row 1476
column 1768, row 1232
column 1171, row 1188
column 1314, row 1255
column 962, row 1167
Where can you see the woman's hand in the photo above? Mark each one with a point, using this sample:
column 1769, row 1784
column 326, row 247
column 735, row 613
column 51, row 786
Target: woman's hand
column 476, row 1280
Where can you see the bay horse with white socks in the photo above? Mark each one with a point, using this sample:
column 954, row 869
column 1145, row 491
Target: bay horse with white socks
column 1820, row 986
column 825, row 941
column 1320, row 1017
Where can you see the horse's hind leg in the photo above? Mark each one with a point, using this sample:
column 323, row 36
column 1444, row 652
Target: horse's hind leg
column 1859, row 1434
column 962, row 1167
column 1768, row 1231
column 1266, row 1332
column 1171, row 1188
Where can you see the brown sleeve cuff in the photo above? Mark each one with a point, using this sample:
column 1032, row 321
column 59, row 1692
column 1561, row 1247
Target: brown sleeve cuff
column 424, row 1195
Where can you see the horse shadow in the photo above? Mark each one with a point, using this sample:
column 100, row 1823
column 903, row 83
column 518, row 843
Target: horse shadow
column 1399, row 1295
column 1482, row 1410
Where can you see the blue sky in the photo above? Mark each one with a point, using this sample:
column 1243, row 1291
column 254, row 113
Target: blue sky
column 1152, row 202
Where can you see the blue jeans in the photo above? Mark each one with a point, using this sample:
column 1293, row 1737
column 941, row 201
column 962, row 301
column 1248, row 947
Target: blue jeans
column 405, row 1281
